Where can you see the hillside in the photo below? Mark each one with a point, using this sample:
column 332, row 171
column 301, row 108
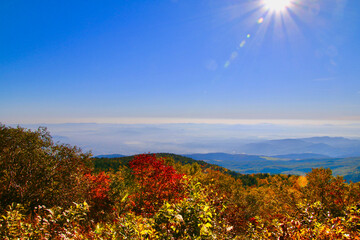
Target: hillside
column 109, row 164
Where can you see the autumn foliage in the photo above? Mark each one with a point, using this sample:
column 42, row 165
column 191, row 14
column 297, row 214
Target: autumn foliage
column 98, row 192
column 51, row 191
column 157, row 183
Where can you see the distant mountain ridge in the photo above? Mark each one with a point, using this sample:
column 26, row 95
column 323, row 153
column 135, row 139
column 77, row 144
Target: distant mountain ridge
column 329, row 146
column 224, row 156
column 301, row 156
column 333, row 141
column 314, row 147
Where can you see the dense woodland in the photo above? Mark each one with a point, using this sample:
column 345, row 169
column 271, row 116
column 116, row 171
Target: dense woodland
column 55, row 191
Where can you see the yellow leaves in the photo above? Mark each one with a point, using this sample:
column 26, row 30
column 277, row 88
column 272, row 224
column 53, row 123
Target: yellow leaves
column 206, row 208
column 144, row 232
column 168, row 205
column 208, row 225
column 204, row 231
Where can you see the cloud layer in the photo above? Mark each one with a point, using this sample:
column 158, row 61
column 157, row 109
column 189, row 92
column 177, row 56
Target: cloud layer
column 184, row 138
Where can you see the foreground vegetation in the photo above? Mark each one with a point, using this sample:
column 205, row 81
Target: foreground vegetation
column 53, row 191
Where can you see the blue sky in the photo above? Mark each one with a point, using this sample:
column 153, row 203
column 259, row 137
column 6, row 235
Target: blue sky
column 103, row 61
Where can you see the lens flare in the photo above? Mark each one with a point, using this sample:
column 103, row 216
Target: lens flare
column 277, row 5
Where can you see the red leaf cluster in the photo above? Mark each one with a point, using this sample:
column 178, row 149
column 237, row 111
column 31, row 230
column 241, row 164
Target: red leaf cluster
column 157, row 183
column 98, row 191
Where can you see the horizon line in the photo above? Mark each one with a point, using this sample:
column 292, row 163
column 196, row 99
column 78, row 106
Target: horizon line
column 154, row 121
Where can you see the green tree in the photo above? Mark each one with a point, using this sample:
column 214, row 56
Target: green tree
column 36, row 171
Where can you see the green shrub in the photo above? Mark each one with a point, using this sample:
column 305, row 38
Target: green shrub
column 35, row 171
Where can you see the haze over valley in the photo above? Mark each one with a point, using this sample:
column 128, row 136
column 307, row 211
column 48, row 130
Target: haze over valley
column 187, row 138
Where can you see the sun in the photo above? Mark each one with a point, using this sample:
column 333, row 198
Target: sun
column 277, row 5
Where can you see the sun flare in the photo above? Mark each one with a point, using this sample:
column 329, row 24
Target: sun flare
column 277, row 5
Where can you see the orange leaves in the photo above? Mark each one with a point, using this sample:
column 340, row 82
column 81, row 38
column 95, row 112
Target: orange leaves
column 302, row 181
